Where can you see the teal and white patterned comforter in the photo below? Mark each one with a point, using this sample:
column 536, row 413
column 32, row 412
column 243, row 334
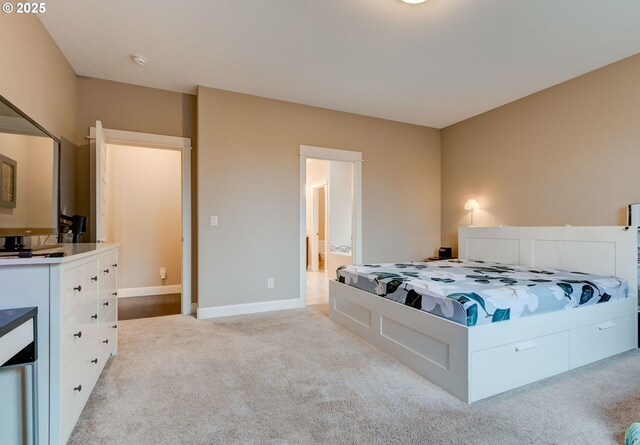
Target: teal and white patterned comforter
column 476, row 293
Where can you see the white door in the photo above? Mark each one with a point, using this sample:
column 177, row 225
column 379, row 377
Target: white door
column 101, row 185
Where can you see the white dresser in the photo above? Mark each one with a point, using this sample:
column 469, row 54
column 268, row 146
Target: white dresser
column 77, row 302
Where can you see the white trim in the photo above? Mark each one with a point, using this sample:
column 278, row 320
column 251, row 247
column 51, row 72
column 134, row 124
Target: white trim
column 329, row 154
column 133, row 138
column 186, row 232
column 356, row 233
column 303, row 232
column 146, row 291
column 158, row 141
column 247, row 308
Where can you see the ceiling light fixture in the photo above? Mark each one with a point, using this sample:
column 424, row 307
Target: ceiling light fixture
column 414, row 2
column 139, row 60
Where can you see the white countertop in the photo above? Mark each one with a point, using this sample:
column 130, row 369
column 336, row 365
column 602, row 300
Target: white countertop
column 71, row 252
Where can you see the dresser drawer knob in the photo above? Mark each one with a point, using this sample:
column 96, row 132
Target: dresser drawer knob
column 106, row 342
column 94, row 316
column 94, row 361
column 115, row 294
column 79, row 334
column 79, row 288
column 115, row 265
column 78, row 388
column 105, row 303
column 115, row 326
column 94, row 278
column 106, row 271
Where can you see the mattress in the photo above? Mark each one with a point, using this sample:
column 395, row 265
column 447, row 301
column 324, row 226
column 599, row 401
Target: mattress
column 475, row 292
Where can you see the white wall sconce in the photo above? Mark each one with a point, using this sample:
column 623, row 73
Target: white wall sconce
column 472, row 205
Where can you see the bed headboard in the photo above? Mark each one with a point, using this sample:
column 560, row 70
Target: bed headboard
column 600, row 250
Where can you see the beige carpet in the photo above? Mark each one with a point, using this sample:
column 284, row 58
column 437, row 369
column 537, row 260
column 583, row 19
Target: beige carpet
column 295, row 377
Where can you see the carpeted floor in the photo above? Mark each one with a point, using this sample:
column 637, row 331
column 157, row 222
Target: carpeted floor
column 295, row 377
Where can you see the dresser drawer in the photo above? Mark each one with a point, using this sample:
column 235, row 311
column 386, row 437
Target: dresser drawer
column 78, row 329
column 90, row 280
column 108, row 271
column 506, row 367
column 107, row 334
column 106, row 304
column 77, row 383
column 72, row 296
column 601, row 340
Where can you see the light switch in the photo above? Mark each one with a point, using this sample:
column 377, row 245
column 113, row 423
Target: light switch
column 214, row 221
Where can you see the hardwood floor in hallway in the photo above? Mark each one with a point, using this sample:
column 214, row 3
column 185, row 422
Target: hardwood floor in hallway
column 317, row 287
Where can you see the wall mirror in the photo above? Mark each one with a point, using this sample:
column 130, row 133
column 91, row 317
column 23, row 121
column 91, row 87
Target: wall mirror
column 29, row 185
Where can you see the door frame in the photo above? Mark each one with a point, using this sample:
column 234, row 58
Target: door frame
column 329, row 154
column 157, row 141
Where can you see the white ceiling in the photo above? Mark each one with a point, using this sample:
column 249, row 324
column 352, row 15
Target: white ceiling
column 432, row 64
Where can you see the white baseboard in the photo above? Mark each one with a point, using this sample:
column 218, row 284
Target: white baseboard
column 248, row 308
column 152, row 290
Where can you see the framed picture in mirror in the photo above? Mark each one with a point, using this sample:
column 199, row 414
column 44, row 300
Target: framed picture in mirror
column 8, row 174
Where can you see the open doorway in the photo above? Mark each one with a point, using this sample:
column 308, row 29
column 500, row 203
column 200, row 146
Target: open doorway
column 330, row 218
column 144, row 203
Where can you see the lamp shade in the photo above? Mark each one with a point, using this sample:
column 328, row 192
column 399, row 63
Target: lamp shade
column 472, row 205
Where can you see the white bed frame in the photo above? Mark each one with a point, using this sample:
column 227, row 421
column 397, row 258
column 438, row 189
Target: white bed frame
column 477, row 362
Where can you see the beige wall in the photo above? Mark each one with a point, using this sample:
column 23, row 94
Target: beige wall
column 248, row 171
column 35, row 76
column 566, row 155
column 123, row 106
column 144, row 190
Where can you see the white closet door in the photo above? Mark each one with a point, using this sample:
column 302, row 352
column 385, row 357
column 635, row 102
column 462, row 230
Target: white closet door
column 101, row 185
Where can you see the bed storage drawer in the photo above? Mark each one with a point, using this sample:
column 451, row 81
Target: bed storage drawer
column 500, row 369
column 601, row 340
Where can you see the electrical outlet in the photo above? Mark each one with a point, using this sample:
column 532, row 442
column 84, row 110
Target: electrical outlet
column 270, row 283
column 214, row 221
column 163, row 273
